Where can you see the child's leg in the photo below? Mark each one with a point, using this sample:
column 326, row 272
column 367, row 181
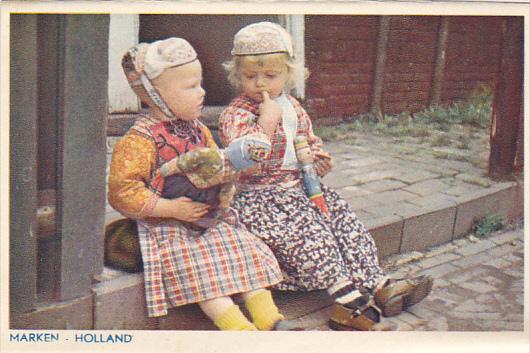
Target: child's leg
column 264, row 312
column 226, row 315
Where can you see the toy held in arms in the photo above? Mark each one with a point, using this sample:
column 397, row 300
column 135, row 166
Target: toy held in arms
column 205, row 164
column 201, row 174
column 311, row 179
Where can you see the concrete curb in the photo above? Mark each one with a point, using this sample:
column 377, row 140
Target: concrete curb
column 445, row 221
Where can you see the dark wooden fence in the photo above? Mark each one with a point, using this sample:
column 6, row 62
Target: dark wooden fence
column 507, row 125
column 397, row 63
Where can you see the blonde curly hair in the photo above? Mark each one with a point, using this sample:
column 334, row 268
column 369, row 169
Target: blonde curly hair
column 296, row 72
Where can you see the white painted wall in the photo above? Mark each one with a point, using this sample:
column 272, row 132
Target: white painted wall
column 123, row 34
column 295, row 25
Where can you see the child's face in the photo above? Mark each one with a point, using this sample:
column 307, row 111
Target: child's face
column 181, row 90
column 258, row 75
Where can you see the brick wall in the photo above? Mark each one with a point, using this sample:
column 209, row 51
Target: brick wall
column 410, row 57
column 341, row 53
column 473, row 53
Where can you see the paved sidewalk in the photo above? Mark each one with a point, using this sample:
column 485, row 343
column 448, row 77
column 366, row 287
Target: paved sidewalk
column 379, row 177
column 412, row 195
column 478, row 286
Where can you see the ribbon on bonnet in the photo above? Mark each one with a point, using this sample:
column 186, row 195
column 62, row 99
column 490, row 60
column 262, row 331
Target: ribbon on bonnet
column 146, row 61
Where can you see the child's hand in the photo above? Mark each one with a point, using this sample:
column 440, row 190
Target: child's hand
column 323, row 163
column 270, row 114
column 184, row 209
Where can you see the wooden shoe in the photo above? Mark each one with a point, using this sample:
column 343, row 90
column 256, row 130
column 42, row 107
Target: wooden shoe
column 398, row 295
column 346, row 319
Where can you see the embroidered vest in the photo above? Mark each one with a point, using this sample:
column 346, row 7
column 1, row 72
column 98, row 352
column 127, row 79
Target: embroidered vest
column 172, row 139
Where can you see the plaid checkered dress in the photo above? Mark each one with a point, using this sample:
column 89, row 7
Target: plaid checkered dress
column 182, row 264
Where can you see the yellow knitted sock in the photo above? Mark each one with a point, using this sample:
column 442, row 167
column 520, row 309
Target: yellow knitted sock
column 234, row 320
column 263, row 310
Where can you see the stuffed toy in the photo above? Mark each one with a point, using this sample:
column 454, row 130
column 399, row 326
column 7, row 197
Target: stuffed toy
column 201, row 175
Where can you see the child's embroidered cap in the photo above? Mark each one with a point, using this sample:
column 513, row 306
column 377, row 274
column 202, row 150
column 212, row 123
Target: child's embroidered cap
column 262, row 38
column 146, row 61
column 152, row 59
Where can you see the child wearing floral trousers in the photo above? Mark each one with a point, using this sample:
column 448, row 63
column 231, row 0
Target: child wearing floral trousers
column 329, row 250
column 184, row 263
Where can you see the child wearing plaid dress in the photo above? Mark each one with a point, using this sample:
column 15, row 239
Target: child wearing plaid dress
column 317, row 249
column 184, row 263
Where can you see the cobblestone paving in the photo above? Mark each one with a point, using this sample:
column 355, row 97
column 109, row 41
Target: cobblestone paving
column 478, row 285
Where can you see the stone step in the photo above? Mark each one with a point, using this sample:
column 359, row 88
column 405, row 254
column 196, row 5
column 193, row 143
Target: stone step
column 120, row 304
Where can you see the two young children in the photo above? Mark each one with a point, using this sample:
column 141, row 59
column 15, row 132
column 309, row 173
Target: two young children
column 183, row 264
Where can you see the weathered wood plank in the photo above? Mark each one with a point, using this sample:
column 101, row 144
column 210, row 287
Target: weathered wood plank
column 48, row 242
column 379, row 71
column 47, row 101
column 46, row 214
column 507, row 102
column 83, row 47
column 23, row 163
column 439, row 65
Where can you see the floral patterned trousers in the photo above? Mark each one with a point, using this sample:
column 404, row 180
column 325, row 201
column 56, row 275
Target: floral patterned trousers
column 314, row 252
